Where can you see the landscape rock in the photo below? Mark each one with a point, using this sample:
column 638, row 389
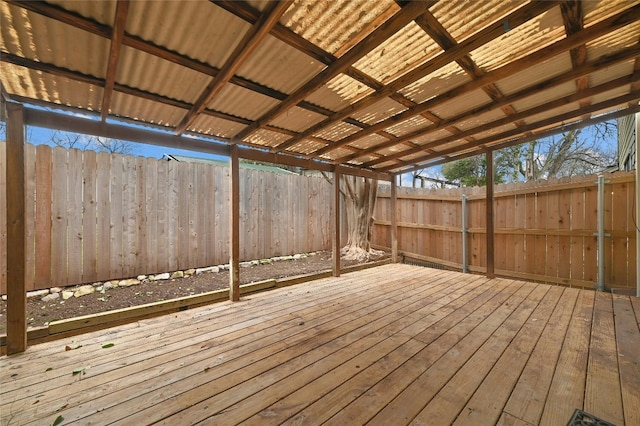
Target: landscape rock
column 67, row 294
column 4, row 297
column 164, row 276
column 55, row 289
column 109, row 285
column 141, row 277
column 128, row 283
column 51, row 297
column 189, row 272
column 286, row 257
column 265, row 261
column 245, row 264
column 84, row 290
column 37, row 293
column 96, row 285
column 297, row 256
column 177, row 274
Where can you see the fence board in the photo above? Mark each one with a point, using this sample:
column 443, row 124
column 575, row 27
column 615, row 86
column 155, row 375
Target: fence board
column 59, row 219
column 590, row 263
column 130, row 207
column 30, row 215
column 104, row 215
column 564, row 223
column 617, row 274
column 151, row 210
column 89, row 231
column 117, row 217
column 43, row 217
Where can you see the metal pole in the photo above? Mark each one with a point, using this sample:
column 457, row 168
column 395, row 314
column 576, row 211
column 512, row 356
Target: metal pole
column 600, row 285
column 637, row 207
column 465, row 267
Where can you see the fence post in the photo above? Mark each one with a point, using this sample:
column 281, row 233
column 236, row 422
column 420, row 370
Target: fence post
column 600, row 234
column 465, row 267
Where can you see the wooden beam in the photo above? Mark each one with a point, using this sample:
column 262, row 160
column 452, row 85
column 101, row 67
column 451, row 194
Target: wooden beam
column 241, row 53
column 546, row 53
column 234, row 222
column 489, row 217
column 598, row 64
column 573, row 18
column 517, row 131
column 564, row 128
column 486, row 35
column 382, row 33
column 335, row 237
column 119, row 24
column 16, row 231
column 393, row 214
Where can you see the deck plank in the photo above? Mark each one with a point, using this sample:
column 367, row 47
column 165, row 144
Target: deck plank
column 393, row 344
column 530, row 393
column 628, row 343
column 567, row 386
column 603, row 397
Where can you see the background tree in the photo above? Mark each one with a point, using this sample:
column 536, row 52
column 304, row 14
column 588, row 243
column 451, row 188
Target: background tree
column 568, row 154
column 95, row 143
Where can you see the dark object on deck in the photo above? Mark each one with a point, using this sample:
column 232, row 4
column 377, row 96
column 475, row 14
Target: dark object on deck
column 580, row 418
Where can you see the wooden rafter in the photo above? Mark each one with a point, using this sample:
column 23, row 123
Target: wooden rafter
column 382, row 33
column 284, row 34
column 242, row 51
column 598, row 64
column 546, row 53
column 573, row 18
column 119, row 23
column 556, row 121
column 575, row 97
column 401, row 169
column 486, row 35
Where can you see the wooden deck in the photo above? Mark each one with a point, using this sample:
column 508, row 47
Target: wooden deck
column 391, row 345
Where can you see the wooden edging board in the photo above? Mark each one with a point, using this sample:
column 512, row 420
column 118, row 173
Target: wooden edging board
column 84, row 324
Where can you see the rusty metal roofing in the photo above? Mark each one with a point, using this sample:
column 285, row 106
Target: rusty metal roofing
column 383, row 85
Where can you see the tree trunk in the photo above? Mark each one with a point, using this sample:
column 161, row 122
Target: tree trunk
column 360, row 200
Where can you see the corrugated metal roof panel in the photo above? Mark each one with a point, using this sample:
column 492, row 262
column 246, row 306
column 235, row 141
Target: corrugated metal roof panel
column 446, row 78
column 432, row 136
column 555, row 66
column 267, row 138
column 624, row 37
column 481, row 119
column 102, row 11
column 201, row 31
column 542, row 97
column 518, row 42
column 279, row 66
column 611, row 73
column 337, row 131
column 334, row 25
column 462, row 19
column 306, row 146
column 461, row 104
column 336, row 153
column 128, row 106
column 610, row 94
column 216, row 126
column 28, row 83
column 401, row 53
column 297, row 119
column 28, row 34
column 339, row 92
column 550, row 113
column 494, row 131
column 152, row 74
column 379, row 111
column 393, row 150
column 596, row 11
column 408, row 126
column 241, row 102
column 368, row 141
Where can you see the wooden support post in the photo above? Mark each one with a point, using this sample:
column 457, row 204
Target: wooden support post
column 234, row 222
column 489, row 217
column 637, row 201
column 16, row 232
column 394, row 221
column 335, row 208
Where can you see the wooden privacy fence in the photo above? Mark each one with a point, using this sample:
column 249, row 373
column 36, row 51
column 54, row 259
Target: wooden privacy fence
column 94, row 216
column 544, row 230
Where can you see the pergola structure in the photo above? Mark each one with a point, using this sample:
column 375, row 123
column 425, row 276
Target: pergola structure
column 373, row 89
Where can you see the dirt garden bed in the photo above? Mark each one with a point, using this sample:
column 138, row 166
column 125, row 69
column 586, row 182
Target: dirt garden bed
column 40, row 313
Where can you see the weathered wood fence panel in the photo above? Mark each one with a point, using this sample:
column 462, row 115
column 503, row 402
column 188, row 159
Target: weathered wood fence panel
column 544, row 230
column 94, row 217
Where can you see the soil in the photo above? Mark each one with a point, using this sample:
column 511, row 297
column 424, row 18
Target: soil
column 40, row 313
